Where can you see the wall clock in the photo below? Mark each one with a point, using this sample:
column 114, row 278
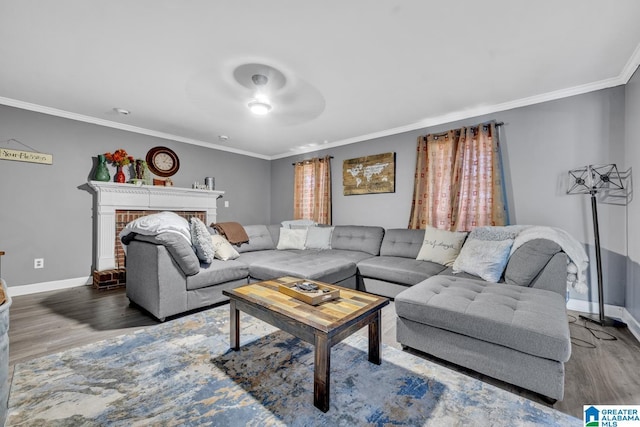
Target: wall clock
column 162, row 161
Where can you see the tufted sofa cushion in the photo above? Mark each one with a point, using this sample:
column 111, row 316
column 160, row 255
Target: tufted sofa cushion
column 259, row 239
column 528, row 261
column 357, row 238
column 529, row 320
column 401, row 242
column 217, row 272
column 405, row 271
column 274, row 230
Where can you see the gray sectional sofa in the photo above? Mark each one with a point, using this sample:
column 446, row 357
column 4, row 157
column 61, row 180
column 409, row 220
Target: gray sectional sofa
column 515, row 331
column 165, row 277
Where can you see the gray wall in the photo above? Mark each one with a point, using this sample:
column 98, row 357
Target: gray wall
column 540, row 143
column 47, row 212
column 632, row 158
column 389, row 210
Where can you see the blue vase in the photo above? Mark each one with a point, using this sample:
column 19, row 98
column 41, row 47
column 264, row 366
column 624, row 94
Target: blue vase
column 102, row 173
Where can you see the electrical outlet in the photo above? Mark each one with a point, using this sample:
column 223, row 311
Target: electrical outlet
column 226, row 203
column 38, row 263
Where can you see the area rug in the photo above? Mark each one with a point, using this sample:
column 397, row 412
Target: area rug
column 182, row 373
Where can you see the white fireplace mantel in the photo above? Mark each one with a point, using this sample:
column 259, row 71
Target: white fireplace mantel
column 111, row 196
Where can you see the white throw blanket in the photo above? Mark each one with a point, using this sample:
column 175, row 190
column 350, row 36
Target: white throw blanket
column 578, row 260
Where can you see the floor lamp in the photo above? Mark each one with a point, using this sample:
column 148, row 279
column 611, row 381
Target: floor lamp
column 594, row 179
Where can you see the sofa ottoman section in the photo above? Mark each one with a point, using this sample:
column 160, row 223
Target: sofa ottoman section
column 513, row 333
column 308, row 266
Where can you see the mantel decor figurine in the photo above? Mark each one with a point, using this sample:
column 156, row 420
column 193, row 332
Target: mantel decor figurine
column 143, row 174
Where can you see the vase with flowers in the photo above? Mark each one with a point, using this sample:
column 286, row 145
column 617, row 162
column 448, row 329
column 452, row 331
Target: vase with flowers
column 119, row 158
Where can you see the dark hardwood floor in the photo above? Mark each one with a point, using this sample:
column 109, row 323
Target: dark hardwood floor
column 599, row 371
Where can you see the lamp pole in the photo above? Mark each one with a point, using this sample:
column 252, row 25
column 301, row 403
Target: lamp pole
column 601, row 320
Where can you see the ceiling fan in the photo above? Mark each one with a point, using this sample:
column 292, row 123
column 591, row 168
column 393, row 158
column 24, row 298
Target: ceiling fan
column 256, row 89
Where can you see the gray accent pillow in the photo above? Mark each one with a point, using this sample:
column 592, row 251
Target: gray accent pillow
column 179, row 249
column 484, row 258
column 298, row 223
column 526, row 262
column 494, row 233
column 259, row 239
column 201, row 239
column 318, row 238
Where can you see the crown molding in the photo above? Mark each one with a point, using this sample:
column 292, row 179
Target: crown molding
column 474, row 112
column 121, row 126
column 623, row 78
column 631, row 66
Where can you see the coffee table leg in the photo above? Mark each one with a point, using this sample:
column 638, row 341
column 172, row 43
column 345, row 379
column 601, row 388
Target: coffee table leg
column 322, row 373
column 374, row 339
column 234, row 326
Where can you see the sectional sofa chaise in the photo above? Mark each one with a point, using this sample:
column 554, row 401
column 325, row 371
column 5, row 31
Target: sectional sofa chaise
column 516, row 331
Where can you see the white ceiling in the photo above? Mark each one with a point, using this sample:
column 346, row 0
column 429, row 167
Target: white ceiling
column 354, row 69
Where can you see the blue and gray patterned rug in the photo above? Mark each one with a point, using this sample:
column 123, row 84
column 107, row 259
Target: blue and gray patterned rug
column 182, row 373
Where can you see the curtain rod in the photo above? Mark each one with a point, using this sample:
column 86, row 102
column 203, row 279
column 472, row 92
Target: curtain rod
column 308, row 160
column 498, row 124
column 438, row 135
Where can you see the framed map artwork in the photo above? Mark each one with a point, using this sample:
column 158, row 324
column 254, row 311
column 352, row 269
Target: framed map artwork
column 370, row 174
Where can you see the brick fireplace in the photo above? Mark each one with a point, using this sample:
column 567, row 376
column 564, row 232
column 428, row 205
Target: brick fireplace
column 116, row 204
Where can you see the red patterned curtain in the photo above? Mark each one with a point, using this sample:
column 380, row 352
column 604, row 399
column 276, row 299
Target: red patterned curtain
column 458, row 181
column 312, row 190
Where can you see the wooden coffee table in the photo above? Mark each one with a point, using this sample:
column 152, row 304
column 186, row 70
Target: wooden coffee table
column 323, row 325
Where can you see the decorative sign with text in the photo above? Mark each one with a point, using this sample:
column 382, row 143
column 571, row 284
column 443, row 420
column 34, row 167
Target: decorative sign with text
column 26, row 156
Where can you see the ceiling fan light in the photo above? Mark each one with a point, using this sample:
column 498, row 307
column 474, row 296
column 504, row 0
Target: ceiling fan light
column 259, row 107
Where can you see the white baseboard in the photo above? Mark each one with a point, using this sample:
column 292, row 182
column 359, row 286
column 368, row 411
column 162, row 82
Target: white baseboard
column 592, row 308
column 632, row 324
column 610, row 310
column 55, row 285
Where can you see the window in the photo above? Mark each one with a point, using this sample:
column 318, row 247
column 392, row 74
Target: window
column 312, row 190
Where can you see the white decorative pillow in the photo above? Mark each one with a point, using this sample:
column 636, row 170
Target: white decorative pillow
column 201, row 239
column 291, row 239
column 223, row 249
column 441, row 246
column 484, row 258
column 318, row 238
column 162, row 222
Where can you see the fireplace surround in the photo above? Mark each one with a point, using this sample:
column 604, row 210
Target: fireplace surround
column 116, row 204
